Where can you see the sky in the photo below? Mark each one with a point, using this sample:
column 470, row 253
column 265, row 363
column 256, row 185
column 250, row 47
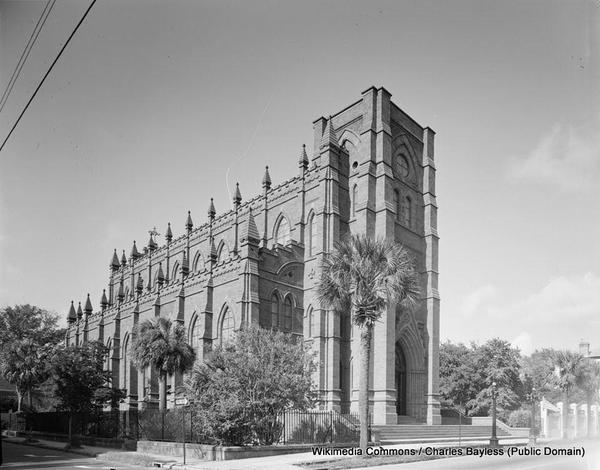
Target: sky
column 157, row 106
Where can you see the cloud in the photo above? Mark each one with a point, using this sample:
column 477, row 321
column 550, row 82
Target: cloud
column 560, row 314
column 575, row 299
column 478, row 300
column 524, row 342
column 563, row 157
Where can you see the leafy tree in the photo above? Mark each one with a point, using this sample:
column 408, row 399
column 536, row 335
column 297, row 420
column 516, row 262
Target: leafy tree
column 467, row 374
column 26, row 332
column 570, row 373
column 79, row 373
column 161, row 343
column 497, row 361
column 28, row 322
column 365, row 277
column 242, row 387
column 25, row 366
column 79, row 376
column 457, row 372
column 539, row 369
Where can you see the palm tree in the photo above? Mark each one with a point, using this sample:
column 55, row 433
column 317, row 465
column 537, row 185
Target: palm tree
column 569, row 372
column 365, row 276
column 161, row 343
column 25, row 367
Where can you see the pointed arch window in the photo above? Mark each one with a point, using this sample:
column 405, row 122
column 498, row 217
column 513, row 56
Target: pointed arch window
column 126, row 366
column 197, row 264
column 175, row 272
column 222, row 252
column 353, row 201
column 288, row 309
column 403, row 166
column 312, row 235
column 407, row 212
column 227, row 326
column 397, row 207
column 108, row 360
column 282, row 237
column 274, row 311
column 193, row 333
column 309, row 320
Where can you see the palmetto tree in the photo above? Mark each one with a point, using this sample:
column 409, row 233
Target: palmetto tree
column 25, row 367
column 364, row 277
column 570, row 373
column 161, row 343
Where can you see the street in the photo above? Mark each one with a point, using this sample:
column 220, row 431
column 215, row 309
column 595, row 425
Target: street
column 21, row 457
column 590, row 461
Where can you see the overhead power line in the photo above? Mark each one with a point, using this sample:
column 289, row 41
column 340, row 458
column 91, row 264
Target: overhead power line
column 47, row 73
column 25, row 54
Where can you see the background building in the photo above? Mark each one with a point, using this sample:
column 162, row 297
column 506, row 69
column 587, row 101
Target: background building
column 371, row 171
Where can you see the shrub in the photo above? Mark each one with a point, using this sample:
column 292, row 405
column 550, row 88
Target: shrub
column 243, row 387
column 520, row 418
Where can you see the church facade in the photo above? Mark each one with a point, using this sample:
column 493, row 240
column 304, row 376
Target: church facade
column 371, row 171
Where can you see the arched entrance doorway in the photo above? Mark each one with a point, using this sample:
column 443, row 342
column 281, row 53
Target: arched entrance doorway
column 400, row 380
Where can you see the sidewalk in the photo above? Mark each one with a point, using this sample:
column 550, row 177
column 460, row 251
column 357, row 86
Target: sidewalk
column 283, row 462
column 88, row 451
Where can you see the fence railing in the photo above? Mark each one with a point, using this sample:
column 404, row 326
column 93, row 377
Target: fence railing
column 319, row 427
column 179, row 425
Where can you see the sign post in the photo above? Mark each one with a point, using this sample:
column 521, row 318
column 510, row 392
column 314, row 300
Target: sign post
column 182, row 402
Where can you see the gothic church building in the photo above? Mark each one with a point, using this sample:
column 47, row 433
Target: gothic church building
column 371, row 171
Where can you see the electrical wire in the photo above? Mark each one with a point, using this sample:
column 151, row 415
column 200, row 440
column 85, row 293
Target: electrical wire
column 47, row 73
column 25, row 54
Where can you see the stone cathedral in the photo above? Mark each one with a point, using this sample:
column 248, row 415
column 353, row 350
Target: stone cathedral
column 371, row 171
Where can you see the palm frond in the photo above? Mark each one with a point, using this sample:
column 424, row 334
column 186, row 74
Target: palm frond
column 365, row 275
column 162, row 344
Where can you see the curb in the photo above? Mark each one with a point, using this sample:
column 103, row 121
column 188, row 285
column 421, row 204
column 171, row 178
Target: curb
column 87, row 453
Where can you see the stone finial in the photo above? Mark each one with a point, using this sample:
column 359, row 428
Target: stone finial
column 160, row 276
column 123, row 259
column 237, row 196
column 139, row 287
column 88, row 306
column 71, row 316
column 329, row 137
column 189, row 225
column 152, row 245
column 211, row 209
column 135, row 254
column 266, row 181
column 103, row 300
column 169, row 234
column 79, row 312
column 303, row 160
column 249, row 229
column 114, row 263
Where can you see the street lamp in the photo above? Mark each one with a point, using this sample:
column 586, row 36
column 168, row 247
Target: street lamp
column 494, row 438
column 533, row 433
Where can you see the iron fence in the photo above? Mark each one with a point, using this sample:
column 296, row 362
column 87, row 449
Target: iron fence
column 319, row 427
column 181, row 425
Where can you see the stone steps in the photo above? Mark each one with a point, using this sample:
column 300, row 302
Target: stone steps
column 395, row 433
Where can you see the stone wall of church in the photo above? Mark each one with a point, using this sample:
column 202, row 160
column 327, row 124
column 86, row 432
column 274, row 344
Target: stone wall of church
column 371, row 171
